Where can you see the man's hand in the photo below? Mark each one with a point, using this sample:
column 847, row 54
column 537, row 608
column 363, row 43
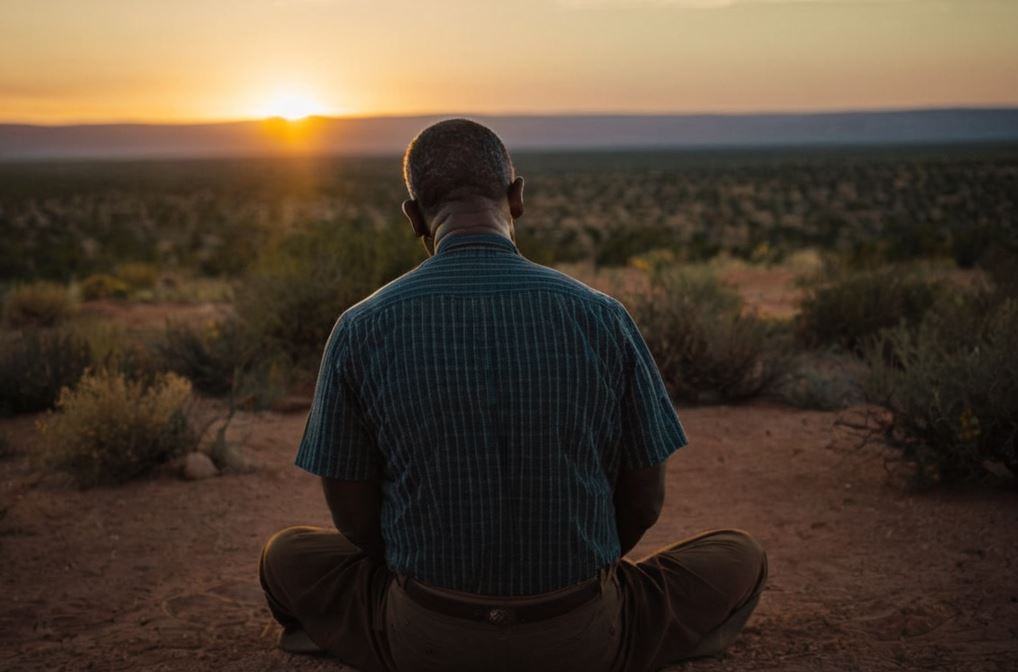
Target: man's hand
column 639, row 495
column 356, row 508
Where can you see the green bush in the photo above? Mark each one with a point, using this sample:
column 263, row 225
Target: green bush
column 103, row 286
column 852, row 306
column 35, row 365
column 706, row 346
column 295, row 292
column 110, row 429
column 951, row 388
column 37, row 304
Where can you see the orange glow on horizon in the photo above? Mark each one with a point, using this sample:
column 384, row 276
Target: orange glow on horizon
column 194, row 61
column 290, row 105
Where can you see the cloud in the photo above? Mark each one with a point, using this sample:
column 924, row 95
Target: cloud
column 711, row 4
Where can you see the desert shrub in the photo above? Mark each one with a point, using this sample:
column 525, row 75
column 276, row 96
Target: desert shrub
column 221, row 360
column 294, row 293
column 817, row 390
column 136, row 360
column 1001, row 266
column 103, row 286
column 616, row 246
column 174, row 288
column 706, row 346
column 655, row 261
column 109, row 428
column 137, row 275
column 854, row 305
column 951, row 388
column 37, row 304
column 264, row 381
column 212, row 357
column 822, row 381
column 35, row 365
column 814, row 391
column 105, row 338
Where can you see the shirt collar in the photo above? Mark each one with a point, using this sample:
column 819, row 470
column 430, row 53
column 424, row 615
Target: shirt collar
column 453, row 241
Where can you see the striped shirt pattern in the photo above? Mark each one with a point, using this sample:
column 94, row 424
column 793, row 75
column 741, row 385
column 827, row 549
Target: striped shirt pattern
column 497, row 399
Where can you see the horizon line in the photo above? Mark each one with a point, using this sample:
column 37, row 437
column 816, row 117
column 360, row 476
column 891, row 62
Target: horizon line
column 552, row 114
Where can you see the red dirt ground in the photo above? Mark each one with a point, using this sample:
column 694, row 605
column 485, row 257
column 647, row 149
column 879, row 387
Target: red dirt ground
column 865, row 575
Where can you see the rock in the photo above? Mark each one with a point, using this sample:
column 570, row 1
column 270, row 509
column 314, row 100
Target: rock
column 197, row 466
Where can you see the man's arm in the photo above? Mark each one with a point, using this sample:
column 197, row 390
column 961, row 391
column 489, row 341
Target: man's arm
column 356, row 508
column 639, row 495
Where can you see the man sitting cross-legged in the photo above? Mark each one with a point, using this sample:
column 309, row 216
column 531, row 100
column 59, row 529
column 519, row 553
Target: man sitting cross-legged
column 491, row 436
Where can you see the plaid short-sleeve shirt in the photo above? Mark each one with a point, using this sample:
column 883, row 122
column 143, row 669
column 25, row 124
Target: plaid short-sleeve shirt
column 497, row 399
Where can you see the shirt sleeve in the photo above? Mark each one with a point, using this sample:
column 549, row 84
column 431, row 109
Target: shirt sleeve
column 651, row 430
column 338, row 440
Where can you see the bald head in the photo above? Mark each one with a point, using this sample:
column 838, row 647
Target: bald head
column 456, row 160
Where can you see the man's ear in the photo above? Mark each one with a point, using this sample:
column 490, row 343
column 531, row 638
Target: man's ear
column 515, row 196
column 412, row 210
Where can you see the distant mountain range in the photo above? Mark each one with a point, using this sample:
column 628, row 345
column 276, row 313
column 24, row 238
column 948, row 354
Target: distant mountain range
column 389, row 135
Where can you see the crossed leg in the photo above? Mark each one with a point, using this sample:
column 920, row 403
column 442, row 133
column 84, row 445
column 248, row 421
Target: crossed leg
column 691, row 598
column 327, row 594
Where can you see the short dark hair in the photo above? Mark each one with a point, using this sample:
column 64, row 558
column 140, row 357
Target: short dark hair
column 455, row 159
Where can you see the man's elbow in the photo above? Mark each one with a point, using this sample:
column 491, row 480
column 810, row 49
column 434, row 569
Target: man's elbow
column 641, row 510
column 646, row 514
column 641, row 495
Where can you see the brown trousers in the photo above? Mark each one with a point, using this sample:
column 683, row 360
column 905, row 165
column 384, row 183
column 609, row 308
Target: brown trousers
column 686, row 600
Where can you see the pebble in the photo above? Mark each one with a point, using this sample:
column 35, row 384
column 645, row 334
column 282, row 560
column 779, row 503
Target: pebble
column 197, row 466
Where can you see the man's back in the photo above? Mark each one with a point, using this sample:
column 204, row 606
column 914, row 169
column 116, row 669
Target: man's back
column 491, row 435
column 497, row 399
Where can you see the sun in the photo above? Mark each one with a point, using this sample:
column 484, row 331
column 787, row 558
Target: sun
column 290, row 105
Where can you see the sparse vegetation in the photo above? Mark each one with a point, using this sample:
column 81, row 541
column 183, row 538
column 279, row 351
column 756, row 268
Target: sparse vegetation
column 815, row 390
column 35, row 365
column 846, row 309
column 137, row 275
column 37, row 304
column 706, row 345
column 110, row 429
column 951, row 388
column 293, row 242
column 294, row 293
column 61, row 221
column 103, row 286
column 211, row 358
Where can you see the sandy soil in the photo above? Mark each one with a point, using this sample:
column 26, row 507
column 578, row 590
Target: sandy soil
column 160, row 574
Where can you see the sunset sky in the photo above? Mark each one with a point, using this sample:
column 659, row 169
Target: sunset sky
column 201, row 60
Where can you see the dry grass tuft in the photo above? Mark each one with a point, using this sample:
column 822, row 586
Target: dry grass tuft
column 37, row 304
column 110, row 429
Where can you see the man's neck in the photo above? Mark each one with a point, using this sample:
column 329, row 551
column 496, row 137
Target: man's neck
column 460, row 218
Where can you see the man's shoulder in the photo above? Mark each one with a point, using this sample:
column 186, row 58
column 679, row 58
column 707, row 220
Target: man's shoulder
column 394, row 291
column 555, row 280
column 526, row 276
